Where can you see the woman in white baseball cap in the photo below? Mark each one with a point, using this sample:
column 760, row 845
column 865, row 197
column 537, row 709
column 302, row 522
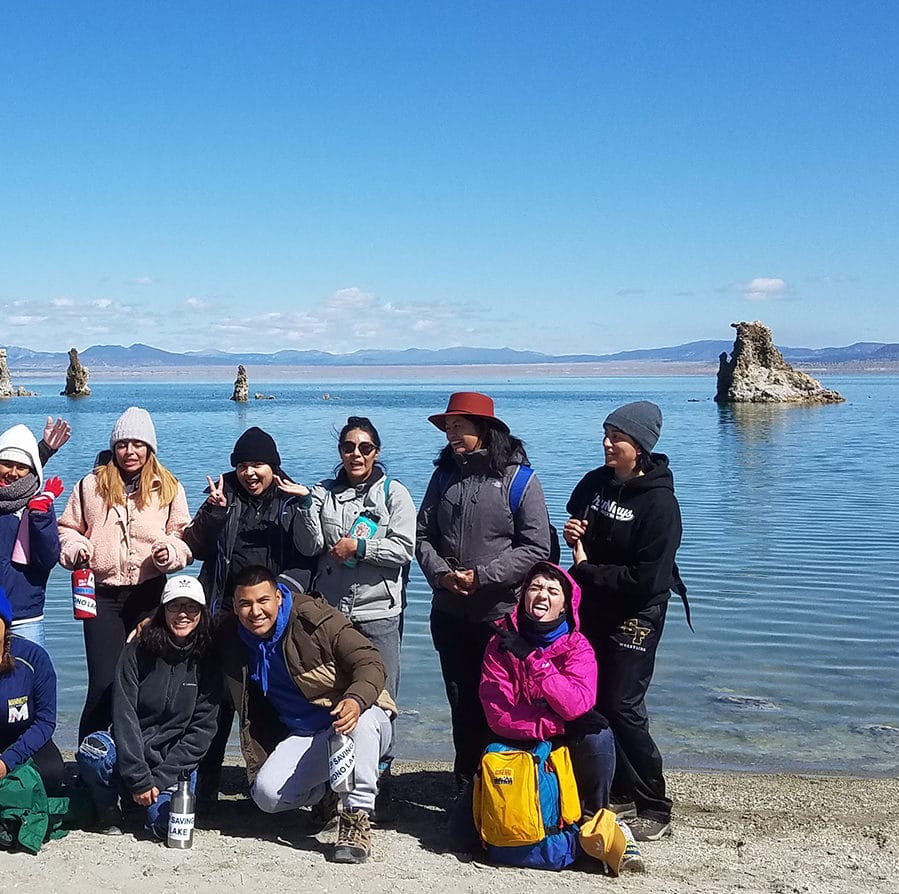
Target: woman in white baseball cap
column 165, row 700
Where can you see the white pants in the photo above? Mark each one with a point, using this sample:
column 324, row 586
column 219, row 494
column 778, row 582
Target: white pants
column 296, row 772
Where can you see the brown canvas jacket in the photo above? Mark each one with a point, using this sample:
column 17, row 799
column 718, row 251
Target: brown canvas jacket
column 329, row 660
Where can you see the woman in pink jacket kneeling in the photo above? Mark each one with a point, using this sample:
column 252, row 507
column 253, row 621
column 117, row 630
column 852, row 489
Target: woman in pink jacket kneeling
column 539, row 681
column 125, row 519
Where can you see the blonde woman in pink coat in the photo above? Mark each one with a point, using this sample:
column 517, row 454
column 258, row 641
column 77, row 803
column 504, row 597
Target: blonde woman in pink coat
column 125, row 520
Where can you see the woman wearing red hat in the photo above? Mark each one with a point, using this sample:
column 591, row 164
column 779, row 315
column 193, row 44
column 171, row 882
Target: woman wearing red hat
column 482, row 525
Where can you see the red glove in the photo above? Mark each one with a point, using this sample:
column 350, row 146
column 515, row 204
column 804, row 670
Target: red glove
column 43, row 501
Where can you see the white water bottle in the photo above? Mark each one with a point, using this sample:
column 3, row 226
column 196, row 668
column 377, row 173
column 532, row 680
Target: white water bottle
column 182, row 814
column 341, row 763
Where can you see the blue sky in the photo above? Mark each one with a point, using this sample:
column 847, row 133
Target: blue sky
column 559, row 177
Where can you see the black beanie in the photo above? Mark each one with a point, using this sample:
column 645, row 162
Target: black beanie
column 640, row 420
column 256, row 446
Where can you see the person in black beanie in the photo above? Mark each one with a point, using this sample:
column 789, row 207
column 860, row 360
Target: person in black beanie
column 624, row 531
column 245, row 521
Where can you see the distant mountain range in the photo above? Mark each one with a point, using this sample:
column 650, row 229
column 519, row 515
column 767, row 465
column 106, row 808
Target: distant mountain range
column 144, row 356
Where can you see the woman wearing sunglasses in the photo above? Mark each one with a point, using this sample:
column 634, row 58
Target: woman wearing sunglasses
column 361, row 525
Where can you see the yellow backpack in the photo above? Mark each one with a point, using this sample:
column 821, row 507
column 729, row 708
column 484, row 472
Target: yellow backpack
column 526, row 805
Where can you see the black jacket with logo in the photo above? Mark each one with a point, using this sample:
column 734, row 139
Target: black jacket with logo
column 634, row 530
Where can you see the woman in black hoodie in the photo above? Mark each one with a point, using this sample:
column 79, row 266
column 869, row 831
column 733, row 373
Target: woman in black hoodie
column 624, row 530
column 165, row 702
column 246, row 520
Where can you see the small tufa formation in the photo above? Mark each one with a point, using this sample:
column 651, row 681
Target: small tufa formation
column 6, row 389
column 241, row 385
column 259, row 396
column 76, row 377
column 757, row 373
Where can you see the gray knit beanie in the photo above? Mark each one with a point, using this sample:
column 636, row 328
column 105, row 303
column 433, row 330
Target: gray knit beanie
column 640, row 420
column 134, row 424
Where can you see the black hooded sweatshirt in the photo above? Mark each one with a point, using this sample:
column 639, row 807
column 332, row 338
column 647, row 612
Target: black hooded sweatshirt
column 633, row 532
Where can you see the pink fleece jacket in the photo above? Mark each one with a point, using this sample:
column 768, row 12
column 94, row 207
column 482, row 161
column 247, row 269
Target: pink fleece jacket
column 121, row 539
column 532, row 699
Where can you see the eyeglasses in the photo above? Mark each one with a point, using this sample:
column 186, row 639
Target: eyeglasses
column 348, row 448
column 192, row 608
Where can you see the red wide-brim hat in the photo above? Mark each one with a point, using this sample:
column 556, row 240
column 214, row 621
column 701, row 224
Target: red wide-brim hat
column 469, row 403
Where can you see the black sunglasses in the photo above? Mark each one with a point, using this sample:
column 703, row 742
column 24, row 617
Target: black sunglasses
column 348, row 448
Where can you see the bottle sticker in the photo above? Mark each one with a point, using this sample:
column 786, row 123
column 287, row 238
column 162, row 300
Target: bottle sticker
column 181, row 825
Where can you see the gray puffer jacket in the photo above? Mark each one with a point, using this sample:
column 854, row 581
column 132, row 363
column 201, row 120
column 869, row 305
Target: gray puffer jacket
column 465, row 521
column 375, row 587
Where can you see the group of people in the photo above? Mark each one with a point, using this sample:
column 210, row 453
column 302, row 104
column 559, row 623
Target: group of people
column 295, row 621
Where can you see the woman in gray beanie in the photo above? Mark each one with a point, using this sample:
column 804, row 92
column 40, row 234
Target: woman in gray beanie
column 125, row 519
column 624, row 531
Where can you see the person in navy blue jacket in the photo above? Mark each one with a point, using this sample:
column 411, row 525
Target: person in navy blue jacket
column 29, row 537
column 28, row 692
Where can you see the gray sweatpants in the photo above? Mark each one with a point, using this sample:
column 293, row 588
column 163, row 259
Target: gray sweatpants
column 296, row 772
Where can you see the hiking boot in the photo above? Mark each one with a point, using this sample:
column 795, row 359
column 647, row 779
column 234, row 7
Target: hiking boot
column 385, row 808
column 646, row 829
column 325, row 811
column 624, row 810
column 353, row 837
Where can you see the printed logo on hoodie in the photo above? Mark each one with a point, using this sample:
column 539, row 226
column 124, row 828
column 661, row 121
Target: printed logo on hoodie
column 611, row 509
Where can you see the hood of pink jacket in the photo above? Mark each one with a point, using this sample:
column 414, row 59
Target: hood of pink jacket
column 572, row 605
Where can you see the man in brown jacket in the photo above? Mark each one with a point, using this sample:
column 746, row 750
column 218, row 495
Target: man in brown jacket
column 299, row 672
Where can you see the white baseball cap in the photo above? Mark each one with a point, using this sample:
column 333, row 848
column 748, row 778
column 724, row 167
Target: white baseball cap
column 183, row 587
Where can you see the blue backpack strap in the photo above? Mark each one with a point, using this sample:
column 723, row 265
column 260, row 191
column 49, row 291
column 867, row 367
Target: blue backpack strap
column 444, row 480
column 516, row 489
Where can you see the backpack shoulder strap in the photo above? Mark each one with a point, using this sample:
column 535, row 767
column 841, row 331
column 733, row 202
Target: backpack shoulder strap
column 517, row 488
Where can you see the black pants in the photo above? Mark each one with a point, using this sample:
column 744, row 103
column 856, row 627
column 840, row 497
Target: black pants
column 460, row 645
column 209, row 773
column 118, row 611
column 626, row 657
column 48, row 762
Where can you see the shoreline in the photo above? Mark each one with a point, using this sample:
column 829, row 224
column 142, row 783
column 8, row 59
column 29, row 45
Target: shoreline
column 732, row 831
column 489, row 372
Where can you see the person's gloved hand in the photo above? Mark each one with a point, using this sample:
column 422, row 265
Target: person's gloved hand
column 512, row 641
column 586, row 724
column 53, row 487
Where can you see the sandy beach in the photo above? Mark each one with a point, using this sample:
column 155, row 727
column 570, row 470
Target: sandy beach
column 733, row 832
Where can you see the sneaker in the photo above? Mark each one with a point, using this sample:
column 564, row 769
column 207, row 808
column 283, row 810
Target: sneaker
column 631, row 860
column 646, row 829
column 353, row 837
column 325, row 812
column 624, row 810
column 385, row 808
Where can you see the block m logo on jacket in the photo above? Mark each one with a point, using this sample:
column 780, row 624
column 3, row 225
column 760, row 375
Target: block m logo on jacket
column 18, row 709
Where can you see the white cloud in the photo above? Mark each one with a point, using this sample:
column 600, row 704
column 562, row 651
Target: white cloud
column 764, row 288
column 833, row 279
column 23, row 320
column 350, row 319
column 628, row 293
column 143, row 281
column 197, row 303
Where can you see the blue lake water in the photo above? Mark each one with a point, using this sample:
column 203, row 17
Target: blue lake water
column 790, row 552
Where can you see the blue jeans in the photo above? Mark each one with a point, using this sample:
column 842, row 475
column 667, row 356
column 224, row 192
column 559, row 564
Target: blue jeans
column 31, row 630
column 386, row 636
column 593, row 761
column 97, row 761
